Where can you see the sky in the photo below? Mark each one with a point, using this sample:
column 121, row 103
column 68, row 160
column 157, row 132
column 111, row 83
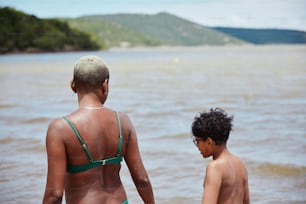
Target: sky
column 281, row 14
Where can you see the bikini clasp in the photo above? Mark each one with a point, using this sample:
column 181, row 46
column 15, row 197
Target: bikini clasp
column 103, row 162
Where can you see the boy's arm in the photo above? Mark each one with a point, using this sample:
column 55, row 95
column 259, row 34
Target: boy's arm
column 212, row 184
column 246, row 197
column 56, row 164
column 137, row 170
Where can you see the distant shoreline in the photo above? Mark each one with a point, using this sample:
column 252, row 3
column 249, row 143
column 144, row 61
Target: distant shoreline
column 163, row 48
column 200, row 47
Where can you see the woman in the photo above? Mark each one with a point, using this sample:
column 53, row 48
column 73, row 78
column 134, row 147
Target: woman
column 86, row 147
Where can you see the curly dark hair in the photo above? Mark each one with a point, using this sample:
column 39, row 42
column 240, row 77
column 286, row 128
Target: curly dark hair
column 215, row 124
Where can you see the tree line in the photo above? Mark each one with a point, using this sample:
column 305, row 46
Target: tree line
column 20, row 32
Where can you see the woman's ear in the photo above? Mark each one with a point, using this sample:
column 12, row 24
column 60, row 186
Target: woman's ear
column 72, row 85
column 105, row 87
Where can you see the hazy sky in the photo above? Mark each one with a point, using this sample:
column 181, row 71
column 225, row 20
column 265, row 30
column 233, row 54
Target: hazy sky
column 285, row 14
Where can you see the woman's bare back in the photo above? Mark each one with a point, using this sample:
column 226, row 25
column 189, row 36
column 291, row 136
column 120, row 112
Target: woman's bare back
column 100, row 131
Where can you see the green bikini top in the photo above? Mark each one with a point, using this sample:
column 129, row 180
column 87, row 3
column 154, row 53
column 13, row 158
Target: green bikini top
column 94, row 163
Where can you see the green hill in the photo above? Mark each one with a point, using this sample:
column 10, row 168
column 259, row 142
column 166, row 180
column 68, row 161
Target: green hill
column 150, row 30
column 168, row 29
column 20, row 32
column 111, row 34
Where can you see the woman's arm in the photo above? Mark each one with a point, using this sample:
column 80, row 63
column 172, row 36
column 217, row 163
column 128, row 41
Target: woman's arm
column 56, row 163
column 134, row 162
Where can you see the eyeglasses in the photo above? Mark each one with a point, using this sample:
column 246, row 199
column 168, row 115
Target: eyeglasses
column 195, row 140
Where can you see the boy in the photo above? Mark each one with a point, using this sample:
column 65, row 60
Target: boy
column 226, row 179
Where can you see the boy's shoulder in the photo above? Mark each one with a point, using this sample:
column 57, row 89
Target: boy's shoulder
column 224, row 161
column 215, row 165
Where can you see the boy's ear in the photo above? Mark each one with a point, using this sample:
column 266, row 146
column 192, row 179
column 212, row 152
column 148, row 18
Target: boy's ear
column 210, row 141
column 72, row 85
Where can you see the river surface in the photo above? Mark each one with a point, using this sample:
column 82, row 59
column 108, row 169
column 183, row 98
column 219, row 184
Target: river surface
column 162, row 89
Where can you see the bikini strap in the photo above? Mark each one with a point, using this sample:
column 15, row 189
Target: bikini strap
column 120, row 135
column 84, row 146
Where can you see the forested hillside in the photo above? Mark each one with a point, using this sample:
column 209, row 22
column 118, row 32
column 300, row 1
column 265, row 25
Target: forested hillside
column 20, row 32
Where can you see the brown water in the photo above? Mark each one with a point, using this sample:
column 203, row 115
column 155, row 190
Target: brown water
column 162, row 89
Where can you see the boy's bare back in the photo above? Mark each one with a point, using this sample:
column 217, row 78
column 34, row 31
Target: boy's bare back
column 228, row 174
